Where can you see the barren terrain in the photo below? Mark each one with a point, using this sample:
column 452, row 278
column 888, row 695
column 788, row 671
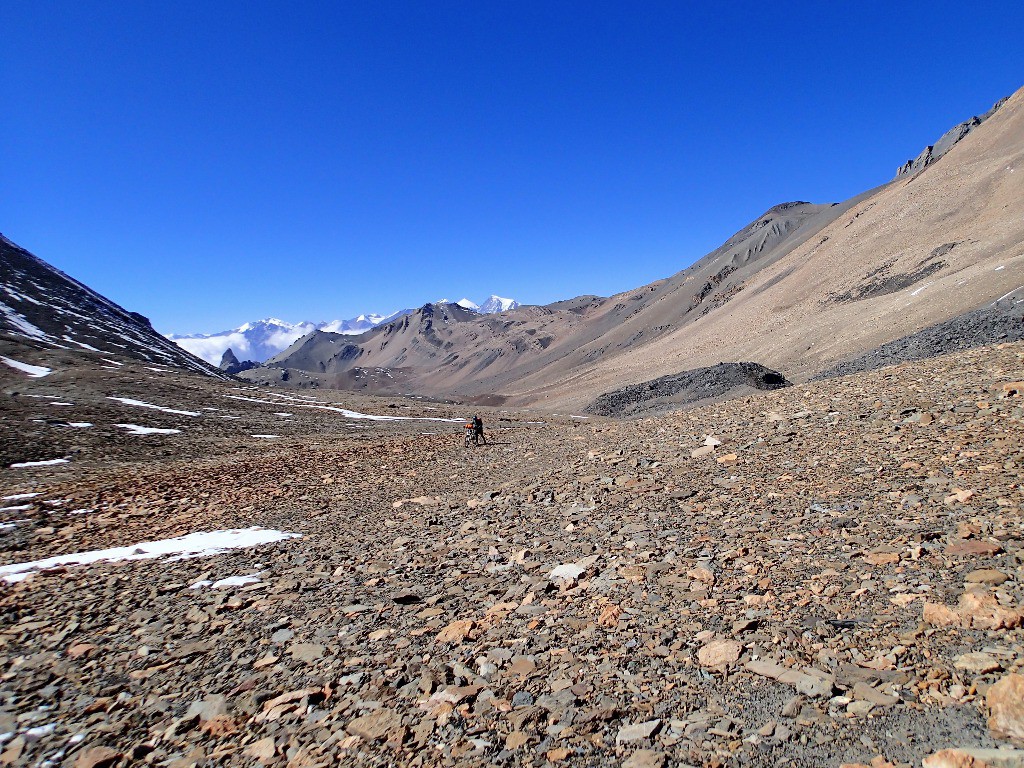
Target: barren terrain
column 824, row 574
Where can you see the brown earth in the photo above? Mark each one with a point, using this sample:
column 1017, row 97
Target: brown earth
column 825, row 574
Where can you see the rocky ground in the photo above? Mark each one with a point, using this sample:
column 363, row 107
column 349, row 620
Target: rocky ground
column 825, row 574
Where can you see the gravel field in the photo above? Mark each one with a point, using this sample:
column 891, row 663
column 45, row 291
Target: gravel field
column 824, row 574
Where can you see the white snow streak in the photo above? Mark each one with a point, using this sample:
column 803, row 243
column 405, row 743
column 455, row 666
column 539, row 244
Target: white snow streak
column 200, row 544
column 346, row 412
column 1008, row 295
column 918, row 290
column 141, row 404
column 18, row 496
column 35, row 371
column 135, row 429
column 48, row 463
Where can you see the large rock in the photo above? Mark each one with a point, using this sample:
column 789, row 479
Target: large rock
column 969, row 757
column 719, row 652
column 1005, row 702
column 376, row 725
column 229, row 363
column 679, row 389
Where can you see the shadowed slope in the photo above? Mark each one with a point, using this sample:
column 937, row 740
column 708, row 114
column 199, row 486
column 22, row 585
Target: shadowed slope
column 41, row 305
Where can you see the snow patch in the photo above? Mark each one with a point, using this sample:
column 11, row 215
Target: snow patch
column 142, row 404
column 47, row 463
column 79, row 424
column 18, row 496
column 135, row 429
column 230, row 581
column 35, row 371
column 20, row 323
column 268, row 437
column 199, row 544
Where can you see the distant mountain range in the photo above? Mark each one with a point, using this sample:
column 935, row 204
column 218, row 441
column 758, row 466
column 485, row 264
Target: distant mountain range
column 262, row 339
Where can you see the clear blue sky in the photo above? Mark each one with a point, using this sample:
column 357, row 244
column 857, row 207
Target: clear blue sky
column 207, row 163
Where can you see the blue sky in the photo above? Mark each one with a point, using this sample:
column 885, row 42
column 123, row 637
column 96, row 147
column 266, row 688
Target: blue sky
column 211, row 163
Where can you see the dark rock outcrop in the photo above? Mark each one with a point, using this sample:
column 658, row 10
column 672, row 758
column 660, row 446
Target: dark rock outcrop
column 228, row 359
column 945, row 143
column 687, row 387
column 229, row 363
column 1000, row 321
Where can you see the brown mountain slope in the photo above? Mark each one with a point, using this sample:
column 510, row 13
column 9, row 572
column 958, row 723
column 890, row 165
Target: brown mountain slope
column 797, row 290
column 447, row 350
column 921, row 250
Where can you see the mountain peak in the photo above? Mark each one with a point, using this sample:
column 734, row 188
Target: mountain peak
column 495, row 304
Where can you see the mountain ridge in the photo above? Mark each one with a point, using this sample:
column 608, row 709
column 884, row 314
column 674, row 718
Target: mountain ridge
column 41, row 305
column 789, row 291
column 260, row 340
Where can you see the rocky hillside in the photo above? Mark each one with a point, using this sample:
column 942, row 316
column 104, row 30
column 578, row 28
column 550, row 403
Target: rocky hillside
column 933, row 152
column 44, row 308
column 446, row 350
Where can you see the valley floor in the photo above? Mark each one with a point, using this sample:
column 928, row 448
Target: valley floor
column 826, row 574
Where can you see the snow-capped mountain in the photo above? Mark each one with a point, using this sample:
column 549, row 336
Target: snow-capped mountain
column 262, row 339
column 495, row 304
column 491, row 306
column 249, row 341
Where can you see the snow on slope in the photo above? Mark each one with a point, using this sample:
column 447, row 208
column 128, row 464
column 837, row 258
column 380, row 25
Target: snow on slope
column 42, row 305
column 35, row 371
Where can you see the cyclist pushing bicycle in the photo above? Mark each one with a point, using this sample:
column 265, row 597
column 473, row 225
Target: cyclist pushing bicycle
column 475, row 431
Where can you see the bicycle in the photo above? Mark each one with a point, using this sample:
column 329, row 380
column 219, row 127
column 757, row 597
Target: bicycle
column 471, row 437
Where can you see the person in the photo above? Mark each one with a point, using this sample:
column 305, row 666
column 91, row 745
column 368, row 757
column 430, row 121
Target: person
column 478, row 430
